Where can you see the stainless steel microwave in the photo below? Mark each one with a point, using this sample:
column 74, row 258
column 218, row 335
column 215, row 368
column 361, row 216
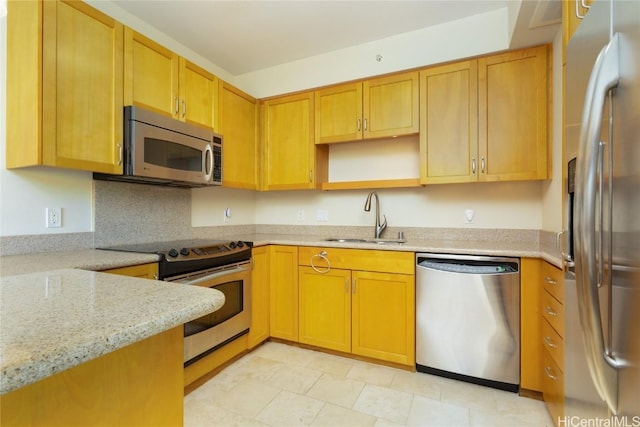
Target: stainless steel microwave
column 165, row 151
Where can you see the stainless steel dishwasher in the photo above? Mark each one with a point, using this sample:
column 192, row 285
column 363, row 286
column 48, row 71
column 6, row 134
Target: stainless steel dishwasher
column 468, row 318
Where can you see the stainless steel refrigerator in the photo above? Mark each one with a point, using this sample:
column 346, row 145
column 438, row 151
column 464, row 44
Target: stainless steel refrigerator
column 602, row 287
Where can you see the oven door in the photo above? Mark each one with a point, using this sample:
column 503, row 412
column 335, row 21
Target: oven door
column 209, row 332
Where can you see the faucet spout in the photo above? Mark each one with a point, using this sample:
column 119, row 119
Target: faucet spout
column 380, row 226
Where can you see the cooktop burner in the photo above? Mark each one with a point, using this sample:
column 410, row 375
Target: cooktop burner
column 187, row 256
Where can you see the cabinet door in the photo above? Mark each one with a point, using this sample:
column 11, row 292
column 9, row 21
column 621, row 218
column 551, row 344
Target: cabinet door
column 325, row 308
column 151, row 75
column 530, row 324
column 283, row 292
column 259, row 330
column 198, row 89
column 383, row 319
column 338, row 113
column 288, row 142
column 82, row 88
column 512, row 120
column 390, row 105
column 449, row 123
column 237, row 114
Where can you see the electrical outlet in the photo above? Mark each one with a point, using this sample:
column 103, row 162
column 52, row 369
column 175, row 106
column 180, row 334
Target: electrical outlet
column 322, row 215
column 468, row 216
column 301, row 215
column 53, row 217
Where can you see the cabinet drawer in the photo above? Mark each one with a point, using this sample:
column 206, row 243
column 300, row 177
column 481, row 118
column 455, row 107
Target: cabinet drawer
column 553, row 281
column 553, row 312
column 553, row 343
column 552, row 386
column 359, row 259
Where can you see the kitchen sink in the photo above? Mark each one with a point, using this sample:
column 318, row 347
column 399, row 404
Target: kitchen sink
column 341, row 240
column 377, row 241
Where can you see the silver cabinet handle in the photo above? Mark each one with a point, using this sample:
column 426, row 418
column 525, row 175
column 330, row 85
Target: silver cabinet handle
column 549, row 311
column 548, row 341
column 578, row 10
column 605, row 75
column 482, row 164
column 359, row 123
column 473, row 166
column 120, row 154
column 321, row 255
column 184, row 109
column 177, row 108
column 346, row 285
column 366, row 125
column 353, row 288
column 549, row 372
column 550, row 281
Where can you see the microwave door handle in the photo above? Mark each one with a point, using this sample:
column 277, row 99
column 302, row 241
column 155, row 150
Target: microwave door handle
column 602, row 365
column 207, row 163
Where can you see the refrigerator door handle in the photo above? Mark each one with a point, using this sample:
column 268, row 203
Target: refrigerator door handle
column 602, row 365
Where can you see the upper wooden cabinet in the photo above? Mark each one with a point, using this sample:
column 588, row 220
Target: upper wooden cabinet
column 64, row 87
column 376, row 108
column 512, row 115
column 157, row 79
column 573, row 12
column 449, row 123
column 238, row 123
column 485, row 119
column 291, row 160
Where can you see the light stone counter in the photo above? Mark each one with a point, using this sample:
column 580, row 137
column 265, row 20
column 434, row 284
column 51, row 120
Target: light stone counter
column 51, row 321
column 87, row 259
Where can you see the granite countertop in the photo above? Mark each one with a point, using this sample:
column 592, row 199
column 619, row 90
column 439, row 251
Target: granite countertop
column 51, row 321
column 489, row 247
column 81, row 314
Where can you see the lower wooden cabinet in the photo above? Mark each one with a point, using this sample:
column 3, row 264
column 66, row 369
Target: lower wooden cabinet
column 259, row 330
column 144, row 271
column 367, row 313
column 137, row 385
column 283, row 292
column 552, row 339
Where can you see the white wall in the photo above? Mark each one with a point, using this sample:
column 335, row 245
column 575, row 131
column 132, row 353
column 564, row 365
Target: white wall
column 553, row 190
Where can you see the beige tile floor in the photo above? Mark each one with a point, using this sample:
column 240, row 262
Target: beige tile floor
column 281, row 385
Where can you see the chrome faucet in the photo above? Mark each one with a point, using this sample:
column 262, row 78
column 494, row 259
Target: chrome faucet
column 367, row 207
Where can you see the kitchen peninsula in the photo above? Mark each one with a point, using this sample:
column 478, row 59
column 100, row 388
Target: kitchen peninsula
column 81, row 347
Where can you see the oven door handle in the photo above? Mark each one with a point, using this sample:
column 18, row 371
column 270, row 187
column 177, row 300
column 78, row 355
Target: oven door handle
column 215, row 275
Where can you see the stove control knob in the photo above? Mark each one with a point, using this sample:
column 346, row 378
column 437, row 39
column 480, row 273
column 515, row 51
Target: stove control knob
column 172, row 253
column 240, row 243
column 232, row 245
column 184, row 251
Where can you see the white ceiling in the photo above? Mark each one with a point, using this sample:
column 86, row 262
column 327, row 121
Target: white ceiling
column 243, row 36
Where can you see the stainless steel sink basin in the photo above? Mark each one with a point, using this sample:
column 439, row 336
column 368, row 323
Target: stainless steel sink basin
column 341, row 240
column 377, row 241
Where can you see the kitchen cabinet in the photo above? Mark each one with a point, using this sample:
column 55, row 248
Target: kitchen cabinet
column 512, row 115
column 573, row 11
column 259, row 329
column 283, row 292
column 552, row 309
column 358, row 301
column 158, row 79
column 140, row 384
column 485, row 119
column 144, row 271
column 530, row 324
column 375, row 108
column 291, row 160
column 64, row 87
column 449, row 123
column 238, row 123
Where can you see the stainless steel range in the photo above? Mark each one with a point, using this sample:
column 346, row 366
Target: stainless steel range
column 221, row 265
